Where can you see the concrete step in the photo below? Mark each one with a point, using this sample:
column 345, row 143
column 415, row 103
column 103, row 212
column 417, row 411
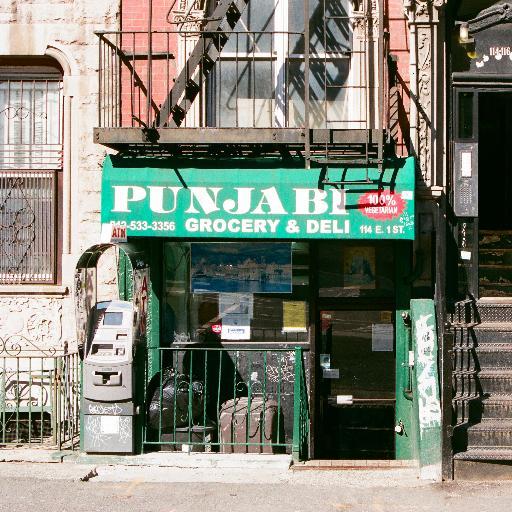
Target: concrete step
column 490, row 433
column 483, row 464
column 190, row 460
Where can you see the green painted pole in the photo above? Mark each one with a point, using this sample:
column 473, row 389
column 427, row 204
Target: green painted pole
column 405, row 440
column 155, row 294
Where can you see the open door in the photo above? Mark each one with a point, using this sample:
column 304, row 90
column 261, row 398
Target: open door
column 482, row 190
column 495, row 194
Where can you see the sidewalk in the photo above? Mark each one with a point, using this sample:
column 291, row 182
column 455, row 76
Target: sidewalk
column 199, row 467
column 156, row 459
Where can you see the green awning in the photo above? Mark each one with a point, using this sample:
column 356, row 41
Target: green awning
column 264, row 200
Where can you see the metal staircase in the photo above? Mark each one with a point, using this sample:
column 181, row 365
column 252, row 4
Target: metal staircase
column 483, row 390
column 363, row 147
column 248, row 92
column 200, row 62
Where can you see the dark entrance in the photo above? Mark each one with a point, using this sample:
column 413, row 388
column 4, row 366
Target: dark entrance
column 357, row 369
column 495, row 194
column 355, row 350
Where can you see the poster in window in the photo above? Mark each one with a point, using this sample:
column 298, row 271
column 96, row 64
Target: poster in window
column 359, row 268
column 241, row 268
column 294, row 316
column 235, row 310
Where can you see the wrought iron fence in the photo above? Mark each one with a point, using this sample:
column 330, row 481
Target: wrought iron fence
column 244, row 400
column 39, row 397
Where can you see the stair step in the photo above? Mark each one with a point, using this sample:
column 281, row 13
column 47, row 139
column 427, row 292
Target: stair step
column 497, row 406
column 492, row 333
column 499, row 274
column 233, row 14
column 476, row 409
column 490, row 433
column 483, row 465
column 210, row 57
column 494, row 347
column 493, row 355
column 495, row 239
column 495, row 312
column 495, row 257
column 495, row 381
column 496, row 453
column 494, row 289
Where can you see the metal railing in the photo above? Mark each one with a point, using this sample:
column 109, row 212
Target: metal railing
column 228, row 400
column 39, row 398
column 259, row 80
column 465, row 367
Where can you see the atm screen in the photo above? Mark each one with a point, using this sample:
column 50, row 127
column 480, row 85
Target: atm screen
column 112, row 318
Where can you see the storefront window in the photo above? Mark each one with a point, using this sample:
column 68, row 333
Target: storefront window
column 356, row 269
column 221, row 292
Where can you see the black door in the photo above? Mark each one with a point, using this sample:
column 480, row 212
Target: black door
column 357, row 374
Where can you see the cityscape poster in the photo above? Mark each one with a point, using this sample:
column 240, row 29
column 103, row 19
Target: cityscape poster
column 241, row 268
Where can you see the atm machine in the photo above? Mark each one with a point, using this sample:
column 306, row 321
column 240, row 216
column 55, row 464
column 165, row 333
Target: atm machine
column 108, row 395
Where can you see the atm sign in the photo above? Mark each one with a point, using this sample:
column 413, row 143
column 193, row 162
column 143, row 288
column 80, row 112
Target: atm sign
column 118, row 234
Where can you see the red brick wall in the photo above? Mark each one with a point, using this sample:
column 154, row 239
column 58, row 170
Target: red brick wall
column 135, row 17
column 135, row 14
column 399, row 47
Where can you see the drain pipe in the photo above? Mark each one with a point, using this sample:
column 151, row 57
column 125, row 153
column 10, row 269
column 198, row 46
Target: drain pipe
column 150, row 64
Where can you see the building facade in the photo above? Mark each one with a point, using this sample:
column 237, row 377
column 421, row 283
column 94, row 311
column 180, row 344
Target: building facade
column 300, row 182
column 478, row 79
column 279, row 184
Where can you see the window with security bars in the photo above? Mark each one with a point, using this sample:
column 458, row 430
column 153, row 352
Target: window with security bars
column 30, row 167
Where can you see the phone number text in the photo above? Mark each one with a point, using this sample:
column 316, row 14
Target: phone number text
column 142, row 225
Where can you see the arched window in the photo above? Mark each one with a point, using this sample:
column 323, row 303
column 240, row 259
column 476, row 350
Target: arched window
column 31, row 111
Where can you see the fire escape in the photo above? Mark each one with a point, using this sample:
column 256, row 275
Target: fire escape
column 317, row 93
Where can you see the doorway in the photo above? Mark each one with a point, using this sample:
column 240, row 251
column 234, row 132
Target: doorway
column 495, row 194
column 357, row 374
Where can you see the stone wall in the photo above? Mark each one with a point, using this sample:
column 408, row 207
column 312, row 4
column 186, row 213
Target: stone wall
column 43, row 316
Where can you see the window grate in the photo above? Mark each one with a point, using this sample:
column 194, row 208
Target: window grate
column 30, row 124
column 27, row 226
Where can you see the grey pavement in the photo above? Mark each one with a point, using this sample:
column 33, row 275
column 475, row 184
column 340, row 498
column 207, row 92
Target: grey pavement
column 77, row 487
